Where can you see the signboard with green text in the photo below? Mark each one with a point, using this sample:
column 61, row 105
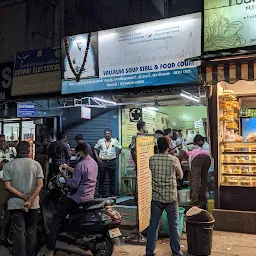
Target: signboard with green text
column 229, row 24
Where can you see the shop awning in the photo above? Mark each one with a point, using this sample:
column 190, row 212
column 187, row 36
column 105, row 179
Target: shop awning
column 229, row 69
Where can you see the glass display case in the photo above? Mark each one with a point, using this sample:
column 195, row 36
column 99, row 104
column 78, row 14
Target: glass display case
column 238, row 164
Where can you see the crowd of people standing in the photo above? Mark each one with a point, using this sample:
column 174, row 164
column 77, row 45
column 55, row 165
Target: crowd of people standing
column 21, row 180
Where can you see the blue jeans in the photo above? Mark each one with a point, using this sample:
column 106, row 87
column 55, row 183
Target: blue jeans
column 157, row 209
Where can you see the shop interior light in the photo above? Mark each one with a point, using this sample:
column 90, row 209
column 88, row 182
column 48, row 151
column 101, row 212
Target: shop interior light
column 152, row 108
column 189, row 96
column 105, row 101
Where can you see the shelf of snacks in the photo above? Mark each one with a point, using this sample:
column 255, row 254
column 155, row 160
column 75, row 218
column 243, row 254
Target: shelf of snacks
column 238, row 164
column 229, row 110
column 238, row 181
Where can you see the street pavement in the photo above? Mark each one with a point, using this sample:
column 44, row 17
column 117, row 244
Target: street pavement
column 224, row 244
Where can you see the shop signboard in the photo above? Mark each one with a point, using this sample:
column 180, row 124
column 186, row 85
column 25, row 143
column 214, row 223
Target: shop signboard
column 229, row 24
column 148, row 54
column 25, row 110
column 6, row 73
column 144, row 150
column 37, row 71
column 42, row 108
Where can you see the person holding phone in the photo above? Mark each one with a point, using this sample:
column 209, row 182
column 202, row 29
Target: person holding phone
column 83, row 184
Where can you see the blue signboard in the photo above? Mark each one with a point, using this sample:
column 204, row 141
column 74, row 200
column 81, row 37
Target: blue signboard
column 25, row 110
column 189, row 75
column 37, row 71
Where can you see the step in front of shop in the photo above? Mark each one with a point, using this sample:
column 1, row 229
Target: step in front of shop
column 235, row 221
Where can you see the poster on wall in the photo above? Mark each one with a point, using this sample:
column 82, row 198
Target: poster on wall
column 148, row 54
column 161, row 121
column 74, row 52
column 129, row 127
column 154, row 120
column 144, row 150
column 37, row 71
column 149, row 117
column 229, row 24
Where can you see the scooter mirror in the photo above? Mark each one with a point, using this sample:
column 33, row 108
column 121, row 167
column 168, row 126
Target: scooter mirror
column 62, row 180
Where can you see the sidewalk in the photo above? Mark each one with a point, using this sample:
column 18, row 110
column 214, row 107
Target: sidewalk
column 224, row 244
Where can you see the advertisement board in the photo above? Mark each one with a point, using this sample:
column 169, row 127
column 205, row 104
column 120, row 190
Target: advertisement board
column 148, row 54
column 144, row 150
column 6, row 73
column 37, row 71
column 229, row 24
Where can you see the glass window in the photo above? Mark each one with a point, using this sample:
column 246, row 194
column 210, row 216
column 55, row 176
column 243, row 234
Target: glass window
column 11, row 131
column 28, row 134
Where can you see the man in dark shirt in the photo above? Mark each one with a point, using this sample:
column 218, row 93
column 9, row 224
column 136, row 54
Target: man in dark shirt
column 60, row 154
column 79, row 139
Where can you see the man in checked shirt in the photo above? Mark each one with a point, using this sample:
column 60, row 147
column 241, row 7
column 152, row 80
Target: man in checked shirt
column 165, row 170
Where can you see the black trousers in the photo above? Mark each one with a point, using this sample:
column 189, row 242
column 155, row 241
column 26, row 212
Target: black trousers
column 24, row 227
column 110, row 168
column 199, row 180
column 64, row 208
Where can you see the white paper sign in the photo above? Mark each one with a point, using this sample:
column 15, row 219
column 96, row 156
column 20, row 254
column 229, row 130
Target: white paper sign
column 149, row 47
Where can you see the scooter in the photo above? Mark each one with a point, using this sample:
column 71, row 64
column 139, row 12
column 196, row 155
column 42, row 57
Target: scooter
column 93, row 226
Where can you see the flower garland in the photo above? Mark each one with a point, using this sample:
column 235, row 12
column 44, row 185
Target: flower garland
column 77, row 75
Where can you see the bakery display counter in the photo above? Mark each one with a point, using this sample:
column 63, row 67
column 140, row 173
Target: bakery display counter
column 238, row 164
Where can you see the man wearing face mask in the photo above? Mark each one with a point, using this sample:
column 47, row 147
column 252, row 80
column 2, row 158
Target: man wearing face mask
column 84, row 181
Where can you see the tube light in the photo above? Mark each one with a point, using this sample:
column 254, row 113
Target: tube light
column 190, row 97
column 152, row 108
column 106, row 101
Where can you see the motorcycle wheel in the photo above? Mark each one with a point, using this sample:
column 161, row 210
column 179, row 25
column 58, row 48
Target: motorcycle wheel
column 108, row 247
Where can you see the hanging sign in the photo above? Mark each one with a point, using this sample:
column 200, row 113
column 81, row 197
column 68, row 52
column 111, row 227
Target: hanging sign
column 85, row 113
column 144, row 150
column 148, row 54
column 229, row 24
column 25, row 110
column 37, row 71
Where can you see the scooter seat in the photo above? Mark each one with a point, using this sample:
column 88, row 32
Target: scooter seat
column 89, row 205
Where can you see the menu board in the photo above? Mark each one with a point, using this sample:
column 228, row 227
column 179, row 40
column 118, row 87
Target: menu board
column 144, row 150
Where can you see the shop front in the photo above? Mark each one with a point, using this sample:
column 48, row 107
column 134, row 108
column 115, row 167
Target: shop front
column 232, row 117
column 229, row 72
column 135, row 69
column 185, row 117
column 26, row 112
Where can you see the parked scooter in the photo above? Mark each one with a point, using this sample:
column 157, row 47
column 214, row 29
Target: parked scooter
column 93, row 226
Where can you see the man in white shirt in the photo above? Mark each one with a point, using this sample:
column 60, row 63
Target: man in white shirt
column 105, row 152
